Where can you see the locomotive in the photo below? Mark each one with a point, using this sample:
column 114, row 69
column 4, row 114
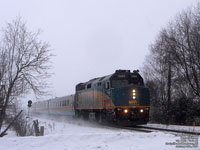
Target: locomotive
column 120, row 97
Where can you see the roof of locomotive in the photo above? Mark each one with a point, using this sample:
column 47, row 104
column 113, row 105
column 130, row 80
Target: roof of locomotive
column 103, row 79
column 94, row 81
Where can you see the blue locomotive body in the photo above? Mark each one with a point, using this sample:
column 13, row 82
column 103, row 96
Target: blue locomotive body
column 119, row 97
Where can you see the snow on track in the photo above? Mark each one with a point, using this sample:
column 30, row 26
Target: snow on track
column 175, row 127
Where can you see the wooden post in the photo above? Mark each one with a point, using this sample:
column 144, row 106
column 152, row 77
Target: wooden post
column 38, row 131
column 41, row 130
column 193, row 125
column 36, row 127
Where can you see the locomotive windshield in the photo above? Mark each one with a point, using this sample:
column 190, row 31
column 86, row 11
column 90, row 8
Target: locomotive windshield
column 121, row 79
column 119, row 83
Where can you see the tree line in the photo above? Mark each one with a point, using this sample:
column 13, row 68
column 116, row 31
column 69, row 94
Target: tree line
column 172, row 70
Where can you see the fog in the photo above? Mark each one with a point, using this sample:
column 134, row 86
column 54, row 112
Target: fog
column 91, row 38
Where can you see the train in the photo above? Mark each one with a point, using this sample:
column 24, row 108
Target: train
column 120, row 97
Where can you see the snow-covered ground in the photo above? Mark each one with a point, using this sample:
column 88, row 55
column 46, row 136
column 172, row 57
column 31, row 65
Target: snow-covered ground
column 71, row 134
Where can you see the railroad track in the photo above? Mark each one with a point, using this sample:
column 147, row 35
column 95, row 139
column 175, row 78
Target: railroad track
column 169, row 130
column 147, row 129
column 111, row 126
column 137, row 129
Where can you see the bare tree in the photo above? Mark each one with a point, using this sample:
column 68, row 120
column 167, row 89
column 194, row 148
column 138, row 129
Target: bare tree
column 185, row 36
column 156, row 72
column 173, row 65
column 24, row 62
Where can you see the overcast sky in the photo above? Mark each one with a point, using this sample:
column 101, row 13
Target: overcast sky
column 93, row 38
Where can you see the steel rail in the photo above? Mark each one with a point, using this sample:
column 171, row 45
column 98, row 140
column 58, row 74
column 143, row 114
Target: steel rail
column 170, row 130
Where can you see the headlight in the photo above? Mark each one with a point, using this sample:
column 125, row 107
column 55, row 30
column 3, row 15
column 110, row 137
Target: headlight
column 125, row 110
column 134, row 94
column 141, row 110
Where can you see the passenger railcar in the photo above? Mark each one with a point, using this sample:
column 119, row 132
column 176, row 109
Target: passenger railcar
column 57, row 106
column 120, row 97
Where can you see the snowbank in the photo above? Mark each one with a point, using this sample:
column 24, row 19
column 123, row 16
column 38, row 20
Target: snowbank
column 80, row 135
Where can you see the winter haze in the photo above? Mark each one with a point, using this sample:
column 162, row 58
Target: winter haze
column 93, row 38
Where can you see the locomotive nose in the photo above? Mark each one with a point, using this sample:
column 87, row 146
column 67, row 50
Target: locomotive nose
column 131, row 97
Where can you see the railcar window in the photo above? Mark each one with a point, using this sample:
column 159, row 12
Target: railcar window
column 65, row 103
column 107, row 85
column 89, row 86
column 99, row 83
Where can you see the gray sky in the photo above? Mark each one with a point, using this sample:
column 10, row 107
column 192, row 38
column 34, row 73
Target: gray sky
column 93, row 38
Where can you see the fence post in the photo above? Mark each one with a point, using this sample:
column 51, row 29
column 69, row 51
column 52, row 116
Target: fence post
column 41, row 130
column 36, row 127
column 193, row 125
column 38, row 131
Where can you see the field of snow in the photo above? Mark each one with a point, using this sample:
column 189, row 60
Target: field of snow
column 70, row 134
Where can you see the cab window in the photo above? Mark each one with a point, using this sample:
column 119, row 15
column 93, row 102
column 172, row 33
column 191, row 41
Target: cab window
column 107, row 85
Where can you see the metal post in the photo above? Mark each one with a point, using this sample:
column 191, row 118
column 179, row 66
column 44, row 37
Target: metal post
column 28, row 112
